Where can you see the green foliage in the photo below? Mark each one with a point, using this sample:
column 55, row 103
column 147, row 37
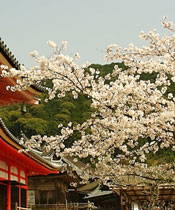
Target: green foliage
column 14, row 115
column 163, row 156
column 38, row 111
column 107, row 68
column 148, row 76
column 32, row 126
column 44, row 118
column 62, row 118
column 68, row 105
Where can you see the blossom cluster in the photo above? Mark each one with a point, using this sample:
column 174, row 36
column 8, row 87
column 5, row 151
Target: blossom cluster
column 133, row 117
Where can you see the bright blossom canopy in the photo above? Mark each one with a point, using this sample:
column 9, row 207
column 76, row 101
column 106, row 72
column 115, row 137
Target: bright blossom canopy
column 132, row 118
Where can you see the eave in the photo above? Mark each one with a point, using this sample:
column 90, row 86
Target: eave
column 7, row 58
column 9, row 138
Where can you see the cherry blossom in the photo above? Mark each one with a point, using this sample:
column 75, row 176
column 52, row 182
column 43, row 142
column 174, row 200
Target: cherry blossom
column 132, row 118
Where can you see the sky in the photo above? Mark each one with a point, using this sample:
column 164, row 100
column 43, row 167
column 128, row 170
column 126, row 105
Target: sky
column 88, row 26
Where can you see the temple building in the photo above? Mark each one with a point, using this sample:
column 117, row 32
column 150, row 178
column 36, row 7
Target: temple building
column 17, row 166
column 8, row 97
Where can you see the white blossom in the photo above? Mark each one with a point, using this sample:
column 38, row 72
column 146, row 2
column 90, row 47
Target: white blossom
column 133, row 116
column 52, row 44
column 33, row 54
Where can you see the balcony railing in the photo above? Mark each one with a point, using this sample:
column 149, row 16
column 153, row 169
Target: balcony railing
column 21, row 208
column 69, row 206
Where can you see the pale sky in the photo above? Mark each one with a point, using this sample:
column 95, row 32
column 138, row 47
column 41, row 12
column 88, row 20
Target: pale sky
column 87, row 25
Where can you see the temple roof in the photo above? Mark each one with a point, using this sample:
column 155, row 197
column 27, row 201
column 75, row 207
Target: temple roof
column 14, row 63
column 8, row 54
column 10, row 139
column 97, row 192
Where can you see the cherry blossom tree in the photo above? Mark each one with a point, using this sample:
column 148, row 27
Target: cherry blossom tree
column 132, row 119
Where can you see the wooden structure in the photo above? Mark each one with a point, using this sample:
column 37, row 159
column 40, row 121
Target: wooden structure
column 16, row 167
column 48, row 190
column 135, row 195
column 53, row 192
column 103, row 198
column 69, row 206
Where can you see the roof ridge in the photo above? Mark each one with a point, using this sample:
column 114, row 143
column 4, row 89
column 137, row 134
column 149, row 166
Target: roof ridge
column 9, row 54
column 8, row 132
column 15, row 63
column 55, row 165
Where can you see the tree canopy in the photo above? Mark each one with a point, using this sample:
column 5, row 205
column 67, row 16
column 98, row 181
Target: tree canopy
column 134, row 109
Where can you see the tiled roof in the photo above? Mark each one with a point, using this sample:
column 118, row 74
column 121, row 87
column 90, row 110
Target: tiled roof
column 97, row 192
column 57, row 165
column 14, row 63
column 9, row 55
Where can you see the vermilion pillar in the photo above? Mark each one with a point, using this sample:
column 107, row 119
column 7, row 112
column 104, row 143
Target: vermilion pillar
column 9, row 196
